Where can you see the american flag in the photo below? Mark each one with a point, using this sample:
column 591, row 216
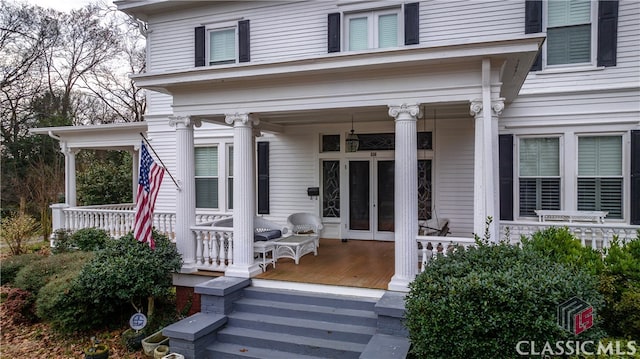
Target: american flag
column 148, row 185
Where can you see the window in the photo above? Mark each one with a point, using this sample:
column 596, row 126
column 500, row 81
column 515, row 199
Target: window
column 206, row 159
column 539, row 174
column 331, row 188
column 222, row 46
column 230, row 177
column 569, row 32
column 373, row 29
column 600, row 174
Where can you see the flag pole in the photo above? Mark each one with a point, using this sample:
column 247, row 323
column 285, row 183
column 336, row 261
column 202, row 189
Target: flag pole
column 159, row 159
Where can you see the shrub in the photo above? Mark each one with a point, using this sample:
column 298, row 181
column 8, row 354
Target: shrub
column 58, row 305
column 9, row 267
column 86, row 239
column 478, row 303
column 19, row 306
column 620, row 284
column 125, row 272
column 559, row 245
column 36, row 275
column 16, row 230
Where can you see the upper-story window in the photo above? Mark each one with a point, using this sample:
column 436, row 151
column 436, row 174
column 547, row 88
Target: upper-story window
column 373, row 29
column 222, row 46
column 569, row 32
column 224, row 43
column 579, row 32
column 359, row 29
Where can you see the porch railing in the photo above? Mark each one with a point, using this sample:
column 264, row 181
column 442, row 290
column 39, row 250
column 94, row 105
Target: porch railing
column 118, row 219
column 214, row 247
column 596, row 236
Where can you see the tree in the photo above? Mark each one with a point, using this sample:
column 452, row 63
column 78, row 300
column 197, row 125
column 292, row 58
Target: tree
column 60, row 69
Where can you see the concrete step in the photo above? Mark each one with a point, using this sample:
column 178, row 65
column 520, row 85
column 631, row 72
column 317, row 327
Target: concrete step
column 290, row 343
column 235, row 351
column 301, row 297
column 300, row 326
column 307, row 311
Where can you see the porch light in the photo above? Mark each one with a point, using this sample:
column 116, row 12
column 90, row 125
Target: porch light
column 352, row 142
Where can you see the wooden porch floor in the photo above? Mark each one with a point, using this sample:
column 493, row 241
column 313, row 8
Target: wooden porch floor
column 363, row 264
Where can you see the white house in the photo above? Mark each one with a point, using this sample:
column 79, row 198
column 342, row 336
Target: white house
column 463, row 110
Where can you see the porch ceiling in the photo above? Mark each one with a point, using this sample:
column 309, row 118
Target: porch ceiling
column 332, row 87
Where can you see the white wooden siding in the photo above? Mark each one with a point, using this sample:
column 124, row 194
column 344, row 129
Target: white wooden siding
column 454, row 174
column 469, row 20
column 626, row 73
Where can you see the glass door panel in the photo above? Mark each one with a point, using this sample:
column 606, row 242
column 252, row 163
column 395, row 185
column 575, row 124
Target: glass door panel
column 386, row 201
column 359, row 195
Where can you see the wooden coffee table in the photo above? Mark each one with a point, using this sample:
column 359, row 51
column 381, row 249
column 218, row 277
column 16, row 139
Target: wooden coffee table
column 295, row 247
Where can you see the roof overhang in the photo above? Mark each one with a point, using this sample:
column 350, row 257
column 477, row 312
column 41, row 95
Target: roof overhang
column 116, row 136
column 514, row 54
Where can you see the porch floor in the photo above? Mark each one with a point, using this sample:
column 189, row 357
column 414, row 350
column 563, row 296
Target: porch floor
column 356, row 263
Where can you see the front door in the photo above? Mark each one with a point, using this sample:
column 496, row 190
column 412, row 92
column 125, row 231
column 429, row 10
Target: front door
column 371, row 198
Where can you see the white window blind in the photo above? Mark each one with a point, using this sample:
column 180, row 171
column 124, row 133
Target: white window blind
column 539, row 174
column 600, row 175
column 358, row 33
column 388, row 30
column 222, row 46
column 206, row 168
column 568, row 31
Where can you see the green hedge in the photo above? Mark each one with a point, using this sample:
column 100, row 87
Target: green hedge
column 480, row 302
column 37, row 274
column 10, row 266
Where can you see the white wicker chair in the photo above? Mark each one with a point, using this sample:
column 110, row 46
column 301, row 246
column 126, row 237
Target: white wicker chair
column 306, row 224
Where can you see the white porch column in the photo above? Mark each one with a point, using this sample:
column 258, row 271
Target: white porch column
column 406, row 200
column 135, row 171
column 186, row 194
column 69, row 174
column 486, row 166
column 244, row 196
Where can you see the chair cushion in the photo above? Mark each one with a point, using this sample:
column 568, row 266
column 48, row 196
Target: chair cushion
column 267, row 235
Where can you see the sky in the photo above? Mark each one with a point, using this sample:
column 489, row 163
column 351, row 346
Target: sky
column 61, row 5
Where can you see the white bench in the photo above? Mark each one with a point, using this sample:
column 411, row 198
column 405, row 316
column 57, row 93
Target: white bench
column 571, row 216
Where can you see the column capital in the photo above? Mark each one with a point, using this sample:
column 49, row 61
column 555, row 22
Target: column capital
column 476, row 107
column 397, row 111
column 184, row 121
column 242, row 119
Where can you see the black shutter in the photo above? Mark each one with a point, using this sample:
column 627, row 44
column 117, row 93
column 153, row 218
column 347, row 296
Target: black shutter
column 635, row 177
column 411, row 24
column 607, row 32
column 533, row 25
column 199, row 46
column 333, row 39
column 506, row 177
column 243, row 41
column 263, row 177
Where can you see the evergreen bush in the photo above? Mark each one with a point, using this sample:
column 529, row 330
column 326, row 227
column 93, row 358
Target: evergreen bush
column 33, row 276
column 480, row 302
column 125, row 272
column 10, row 266
column 86, row 239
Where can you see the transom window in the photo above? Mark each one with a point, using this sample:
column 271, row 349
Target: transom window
column 206, row 159
column 600, row 174
column 373, row 29
column 569, row 32
column 539, row 174
column 222, row 46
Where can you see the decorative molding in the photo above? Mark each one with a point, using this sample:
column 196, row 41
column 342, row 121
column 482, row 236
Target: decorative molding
column 497, row 105
column 185, row 121
column 475, row 109
column 412, row 110
column 242, row 118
